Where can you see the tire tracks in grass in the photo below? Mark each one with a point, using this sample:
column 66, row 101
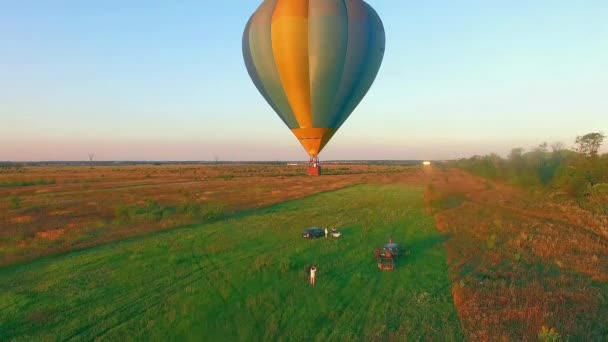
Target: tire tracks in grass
column 213, row 267
column 240, row 296
column 205, row 271
column 277, row 308
column 361, row 313
column 161, row 295
column 156, row 293
column 158, row 300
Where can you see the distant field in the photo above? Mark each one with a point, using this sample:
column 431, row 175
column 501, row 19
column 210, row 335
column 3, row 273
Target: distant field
column 50, row 209
column 243, row 278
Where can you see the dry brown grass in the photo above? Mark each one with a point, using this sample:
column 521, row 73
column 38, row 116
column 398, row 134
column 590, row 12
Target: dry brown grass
column 520, row 261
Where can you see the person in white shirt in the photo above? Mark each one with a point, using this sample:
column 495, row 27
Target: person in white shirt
column 313, row 274
column 326, row 232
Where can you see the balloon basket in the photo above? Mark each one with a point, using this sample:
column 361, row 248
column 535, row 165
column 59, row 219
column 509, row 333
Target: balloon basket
column 314, row 167
column 314, row 171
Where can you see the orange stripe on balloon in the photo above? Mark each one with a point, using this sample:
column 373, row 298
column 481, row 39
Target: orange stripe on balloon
column 290, row 48
column 313, row 139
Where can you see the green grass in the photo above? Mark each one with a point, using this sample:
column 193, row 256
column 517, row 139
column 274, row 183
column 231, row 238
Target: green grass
column 154, row 212
column 15, row 202
column 243, row 278
column 20, row 183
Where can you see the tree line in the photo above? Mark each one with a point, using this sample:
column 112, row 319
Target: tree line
column 576, row 171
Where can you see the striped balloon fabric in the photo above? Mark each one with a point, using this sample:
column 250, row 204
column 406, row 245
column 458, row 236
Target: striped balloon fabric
column 313, row 61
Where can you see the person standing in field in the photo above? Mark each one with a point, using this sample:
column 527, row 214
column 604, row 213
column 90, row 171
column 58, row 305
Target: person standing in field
column 326, row 232
column 313, row 274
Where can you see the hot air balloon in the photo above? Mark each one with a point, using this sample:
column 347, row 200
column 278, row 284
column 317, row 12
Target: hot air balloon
column 313, row 61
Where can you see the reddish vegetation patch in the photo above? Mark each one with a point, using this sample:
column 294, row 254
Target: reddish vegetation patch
column 520, row 262
column 59, row 212
column 50, row 234
column 20, row 219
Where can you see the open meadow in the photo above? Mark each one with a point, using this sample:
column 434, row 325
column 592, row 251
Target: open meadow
column 244, row 278
column 190, row 251
column 50, row 209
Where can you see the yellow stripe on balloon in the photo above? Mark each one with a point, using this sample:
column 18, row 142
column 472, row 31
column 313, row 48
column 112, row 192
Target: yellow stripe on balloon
column 290, row 48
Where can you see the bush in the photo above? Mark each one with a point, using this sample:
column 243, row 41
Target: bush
column 15, row 202
column 41, row 181
column 491, row 241
column 203, row 212
column 548, row 335
column 601, row 188
column 123, row 215
column 285, row 265
column 154, row 212
column 262, row 262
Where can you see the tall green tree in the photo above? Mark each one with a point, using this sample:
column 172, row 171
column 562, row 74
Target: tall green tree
column 589, row 144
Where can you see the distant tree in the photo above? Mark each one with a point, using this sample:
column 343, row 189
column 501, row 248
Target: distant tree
column 516, row 162
column 516, row 153
column 557, row 147
column 543, row 164
column 541, row 148
column 589, row 144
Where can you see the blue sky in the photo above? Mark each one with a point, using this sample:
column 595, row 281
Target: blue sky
column 165, row 80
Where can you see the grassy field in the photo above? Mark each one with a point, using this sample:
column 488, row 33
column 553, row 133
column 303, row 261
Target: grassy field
column 98, row 251
column 242, row 278
column 52, row 209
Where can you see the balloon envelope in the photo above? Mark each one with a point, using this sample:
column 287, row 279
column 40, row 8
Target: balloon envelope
column 313, row 61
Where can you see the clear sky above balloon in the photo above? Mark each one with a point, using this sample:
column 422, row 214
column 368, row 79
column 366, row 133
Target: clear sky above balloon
column 165, row 80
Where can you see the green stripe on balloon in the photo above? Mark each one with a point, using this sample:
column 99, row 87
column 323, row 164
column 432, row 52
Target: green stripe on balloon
column 327, row 43
column 259, row 59
column 369, row 68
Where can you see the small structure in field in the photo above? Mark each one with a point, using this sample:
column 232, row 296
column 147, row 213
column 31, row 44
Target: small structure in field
column 426, row 163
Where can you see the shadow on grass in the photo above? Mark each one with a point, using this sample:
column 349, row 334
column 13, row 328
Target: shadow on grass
column 419, row 246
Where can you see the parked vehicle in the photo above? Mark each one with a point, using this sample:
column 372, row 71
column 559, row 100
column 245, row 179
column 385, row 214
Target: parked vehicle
column 387, row 255
column 313, row 232
column 393, row 249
